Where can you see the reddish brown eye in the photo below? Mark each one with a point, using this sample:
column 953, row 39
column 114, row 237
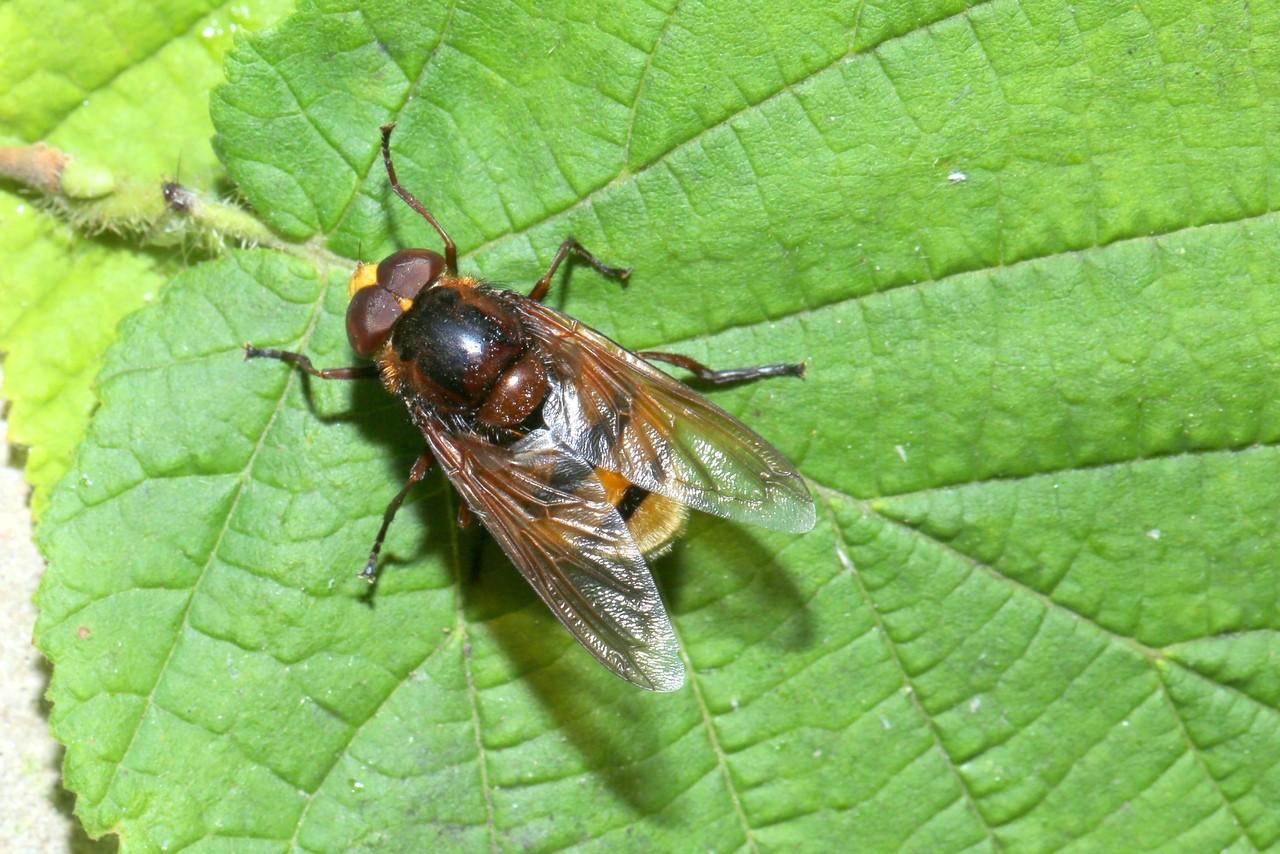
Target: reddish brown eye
column 370, row 315
column 407, row 272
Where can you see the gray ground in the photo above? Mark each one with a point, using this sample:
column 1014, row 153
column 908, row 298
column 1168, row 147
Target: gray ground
column 34, row 808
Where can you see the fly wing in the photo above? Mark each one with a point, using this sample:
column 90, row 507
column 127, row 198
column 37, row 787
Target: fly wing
column 617, row 411
column 547, row 509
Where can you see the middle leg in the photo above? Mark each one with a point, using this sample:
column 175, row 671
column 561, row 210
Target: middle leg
column 420, row 468
column 730, row 375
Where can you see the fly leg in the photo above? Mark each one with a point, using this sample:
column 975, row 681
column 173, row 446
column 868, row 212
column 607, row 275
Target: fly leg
column 572, row 245
column 417, row 473
column 358, row 372
column 731, row 375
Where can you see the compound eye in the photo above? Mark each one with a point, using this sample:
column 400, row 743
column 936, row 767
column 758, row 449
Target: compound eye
column 407, row 272
column 370, row 315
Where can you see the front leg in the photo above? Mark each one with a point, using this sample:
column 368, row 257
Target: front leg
column 357, row 372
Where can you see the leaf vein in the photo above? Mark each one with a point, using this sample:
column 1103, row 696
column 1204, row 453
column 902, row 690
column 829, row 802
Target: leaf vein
column 722, row 759
column 204, row 570
column 913, row 698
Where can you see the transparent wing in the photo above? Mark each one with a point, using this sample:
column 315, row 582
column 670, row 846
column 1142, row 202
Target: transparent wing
column 549, row 512
column 617, row 411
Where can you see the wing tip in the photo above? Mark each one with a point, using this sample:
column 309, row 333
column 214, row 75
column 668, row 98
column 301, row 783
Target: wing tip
column 808, row 517
column 657, row 666
column 664, row 680
column 792, row 512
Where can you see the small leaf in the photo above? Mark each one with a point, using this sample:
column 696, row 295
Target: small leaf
column 122, row 91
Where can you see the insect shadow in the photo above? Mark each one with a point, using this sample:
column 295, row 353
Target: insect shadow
column 624, row 747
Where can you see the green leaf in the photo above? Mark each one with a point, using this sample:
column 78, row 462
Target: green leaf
column 121, row 87
column 1027, row 252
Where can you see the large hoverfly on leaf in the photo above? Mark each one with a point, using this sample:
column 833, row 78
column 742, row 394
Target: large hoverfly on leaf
column 578, row 455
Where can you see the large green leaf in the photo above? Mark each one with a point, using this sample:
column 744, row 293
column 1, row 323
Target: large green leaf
column 1027, row 252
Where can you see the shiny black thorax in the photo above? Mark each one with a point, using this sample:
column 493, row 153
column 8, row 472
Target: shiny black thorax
column 464, row 354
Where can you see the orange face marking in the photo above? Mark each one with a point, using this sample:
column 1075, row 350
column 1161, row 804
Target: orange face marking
column 365, row 276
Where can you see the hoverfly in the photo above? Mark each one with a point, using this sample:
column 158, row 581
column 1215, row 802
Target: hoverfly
column 579, row 456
